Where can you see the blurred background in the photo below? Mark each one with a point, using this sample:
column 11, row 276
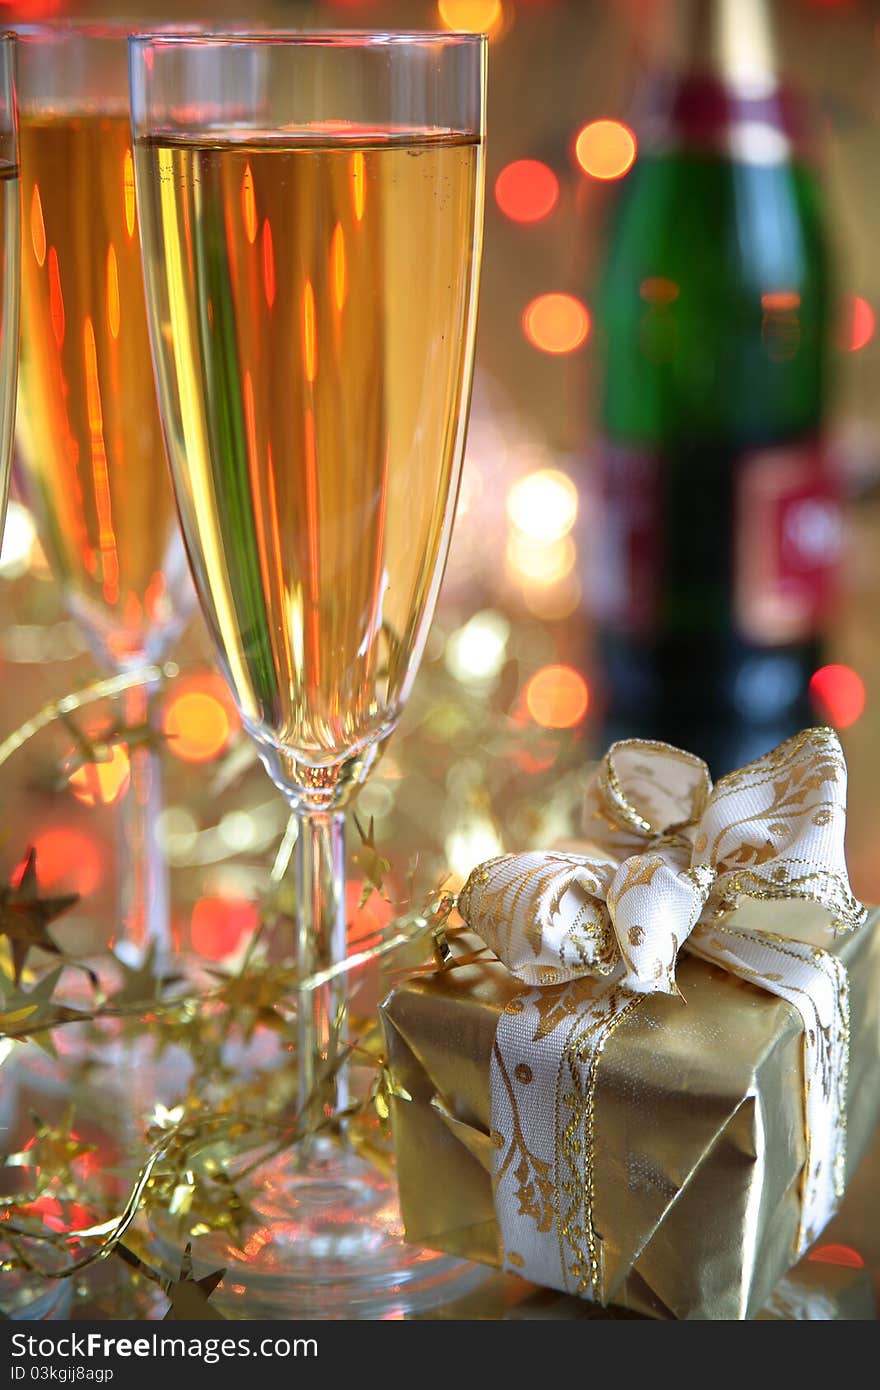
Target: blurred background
column 670, row 515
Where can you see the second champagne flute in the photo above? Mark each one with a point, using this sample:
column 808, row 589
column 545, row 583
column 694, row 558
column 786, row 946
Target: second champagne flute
column 88, row 431
column 9, row 261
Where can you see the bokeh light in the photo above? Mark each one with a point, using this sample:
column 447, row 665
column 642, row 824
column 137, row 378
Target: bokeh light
column 780, row 301
column 537, row 562
column 526, row 190
column 18, row 541
column 841, row 1255
column 838, row 695
column 102, row 783
column 605, row 149
column 198, row 721
column 856, row 323
column 68, row 861
column 544, row 504
column 557, row 697
column 476, row 16
column 177, row 832
column 554, row 602
column 218, row 925
column 365, row 921
column 468, row 845
column 475, row 652
column 556, row 323
column 238, row 831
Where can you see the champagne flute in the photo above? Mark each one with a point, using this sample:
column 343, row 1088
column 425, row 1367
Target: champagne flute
column 9, row 261
column 311, row 225
column 25, row 1295
column 88, row 433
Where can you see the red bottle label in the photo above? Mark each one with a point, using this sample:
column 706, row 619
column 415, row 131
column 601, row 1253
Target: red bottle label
column 789, row 535
column 784, row 550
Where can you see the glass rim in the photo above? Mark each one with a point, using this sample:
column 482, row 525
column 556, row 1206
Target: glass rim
column 119, row 29
column 292, row 38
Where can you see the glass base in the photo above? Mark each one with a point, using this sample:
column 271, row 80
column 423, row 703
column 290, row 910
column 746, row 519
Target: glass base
column 327, row 1242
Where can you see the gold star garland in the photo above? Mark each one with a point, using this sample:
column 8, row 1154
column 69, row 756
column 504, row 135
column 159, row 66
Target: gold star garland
column 184, row 1169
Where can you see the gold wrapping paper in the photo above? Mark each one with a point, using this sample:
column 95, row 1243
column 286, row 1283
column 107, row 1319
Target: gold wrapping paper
column 808, row 1293
column 699, row 1125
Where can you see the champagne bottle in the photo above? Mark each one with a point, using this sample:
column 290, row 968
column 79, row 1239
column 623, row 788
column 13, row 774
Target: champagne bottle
column 720, row 526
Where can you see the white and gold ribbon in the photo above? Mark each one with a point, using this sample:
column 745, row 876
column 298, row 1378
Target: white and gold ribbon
column 670, row 861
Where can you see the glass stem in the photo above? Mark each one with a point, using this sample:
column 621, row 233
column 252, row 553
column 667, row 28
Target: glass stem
column 320, row 944
column 143, row 869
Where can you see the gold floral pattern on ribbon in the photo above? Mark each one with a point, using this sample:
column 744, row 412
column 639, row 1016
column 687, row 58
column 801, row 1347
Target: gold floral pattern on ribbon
column 666, row 847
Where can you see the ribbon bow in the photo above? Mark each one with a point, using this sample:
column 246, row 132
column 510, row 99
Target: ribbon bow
column 670, row 860
column 667, row 850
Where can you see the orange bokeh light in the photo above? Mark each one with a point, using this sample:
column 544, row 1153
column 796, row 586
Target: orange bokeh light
column 100, row 784
column 605, row 149
column 781, row 301
column 310, row 333
column 364, row 921
column 838, row 694
column 556, row 323
column 856, row 324
column 197, row 723
column 268, row 263
column 38, row 226
column 56, row 299
column 249, row 205
column 218, row 925
column 526, row 190
column 474, row 16
column 128, row 191
column 557, row 697
column 68, row 861
column 113, row 304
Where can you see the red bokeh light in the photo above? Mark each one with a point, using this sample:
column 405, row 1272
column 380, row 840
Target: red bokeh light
column 841, row 1255
column 218, row 925
column 28, row 11
column 68, row 861
column 856, row 324
column 60, row 1216
column 526, row 190
column 838, row 695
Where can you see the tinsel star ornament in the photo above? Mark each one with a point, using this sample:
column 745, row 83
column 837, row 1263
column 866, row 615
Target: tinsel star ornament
column 28, row 1009
column 373, row 865
column 51, row 1153
column 144, row 982
column 189, row 1296
column 25, row 916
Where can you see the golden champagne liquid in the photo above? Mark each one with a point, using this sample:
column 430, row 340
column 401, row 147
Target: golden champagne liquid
column 314, row 311
column 89, row 436
column 9, row 276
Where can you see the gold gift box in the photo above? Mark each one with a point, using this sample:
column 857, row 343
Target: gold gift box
column 699, row 1126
